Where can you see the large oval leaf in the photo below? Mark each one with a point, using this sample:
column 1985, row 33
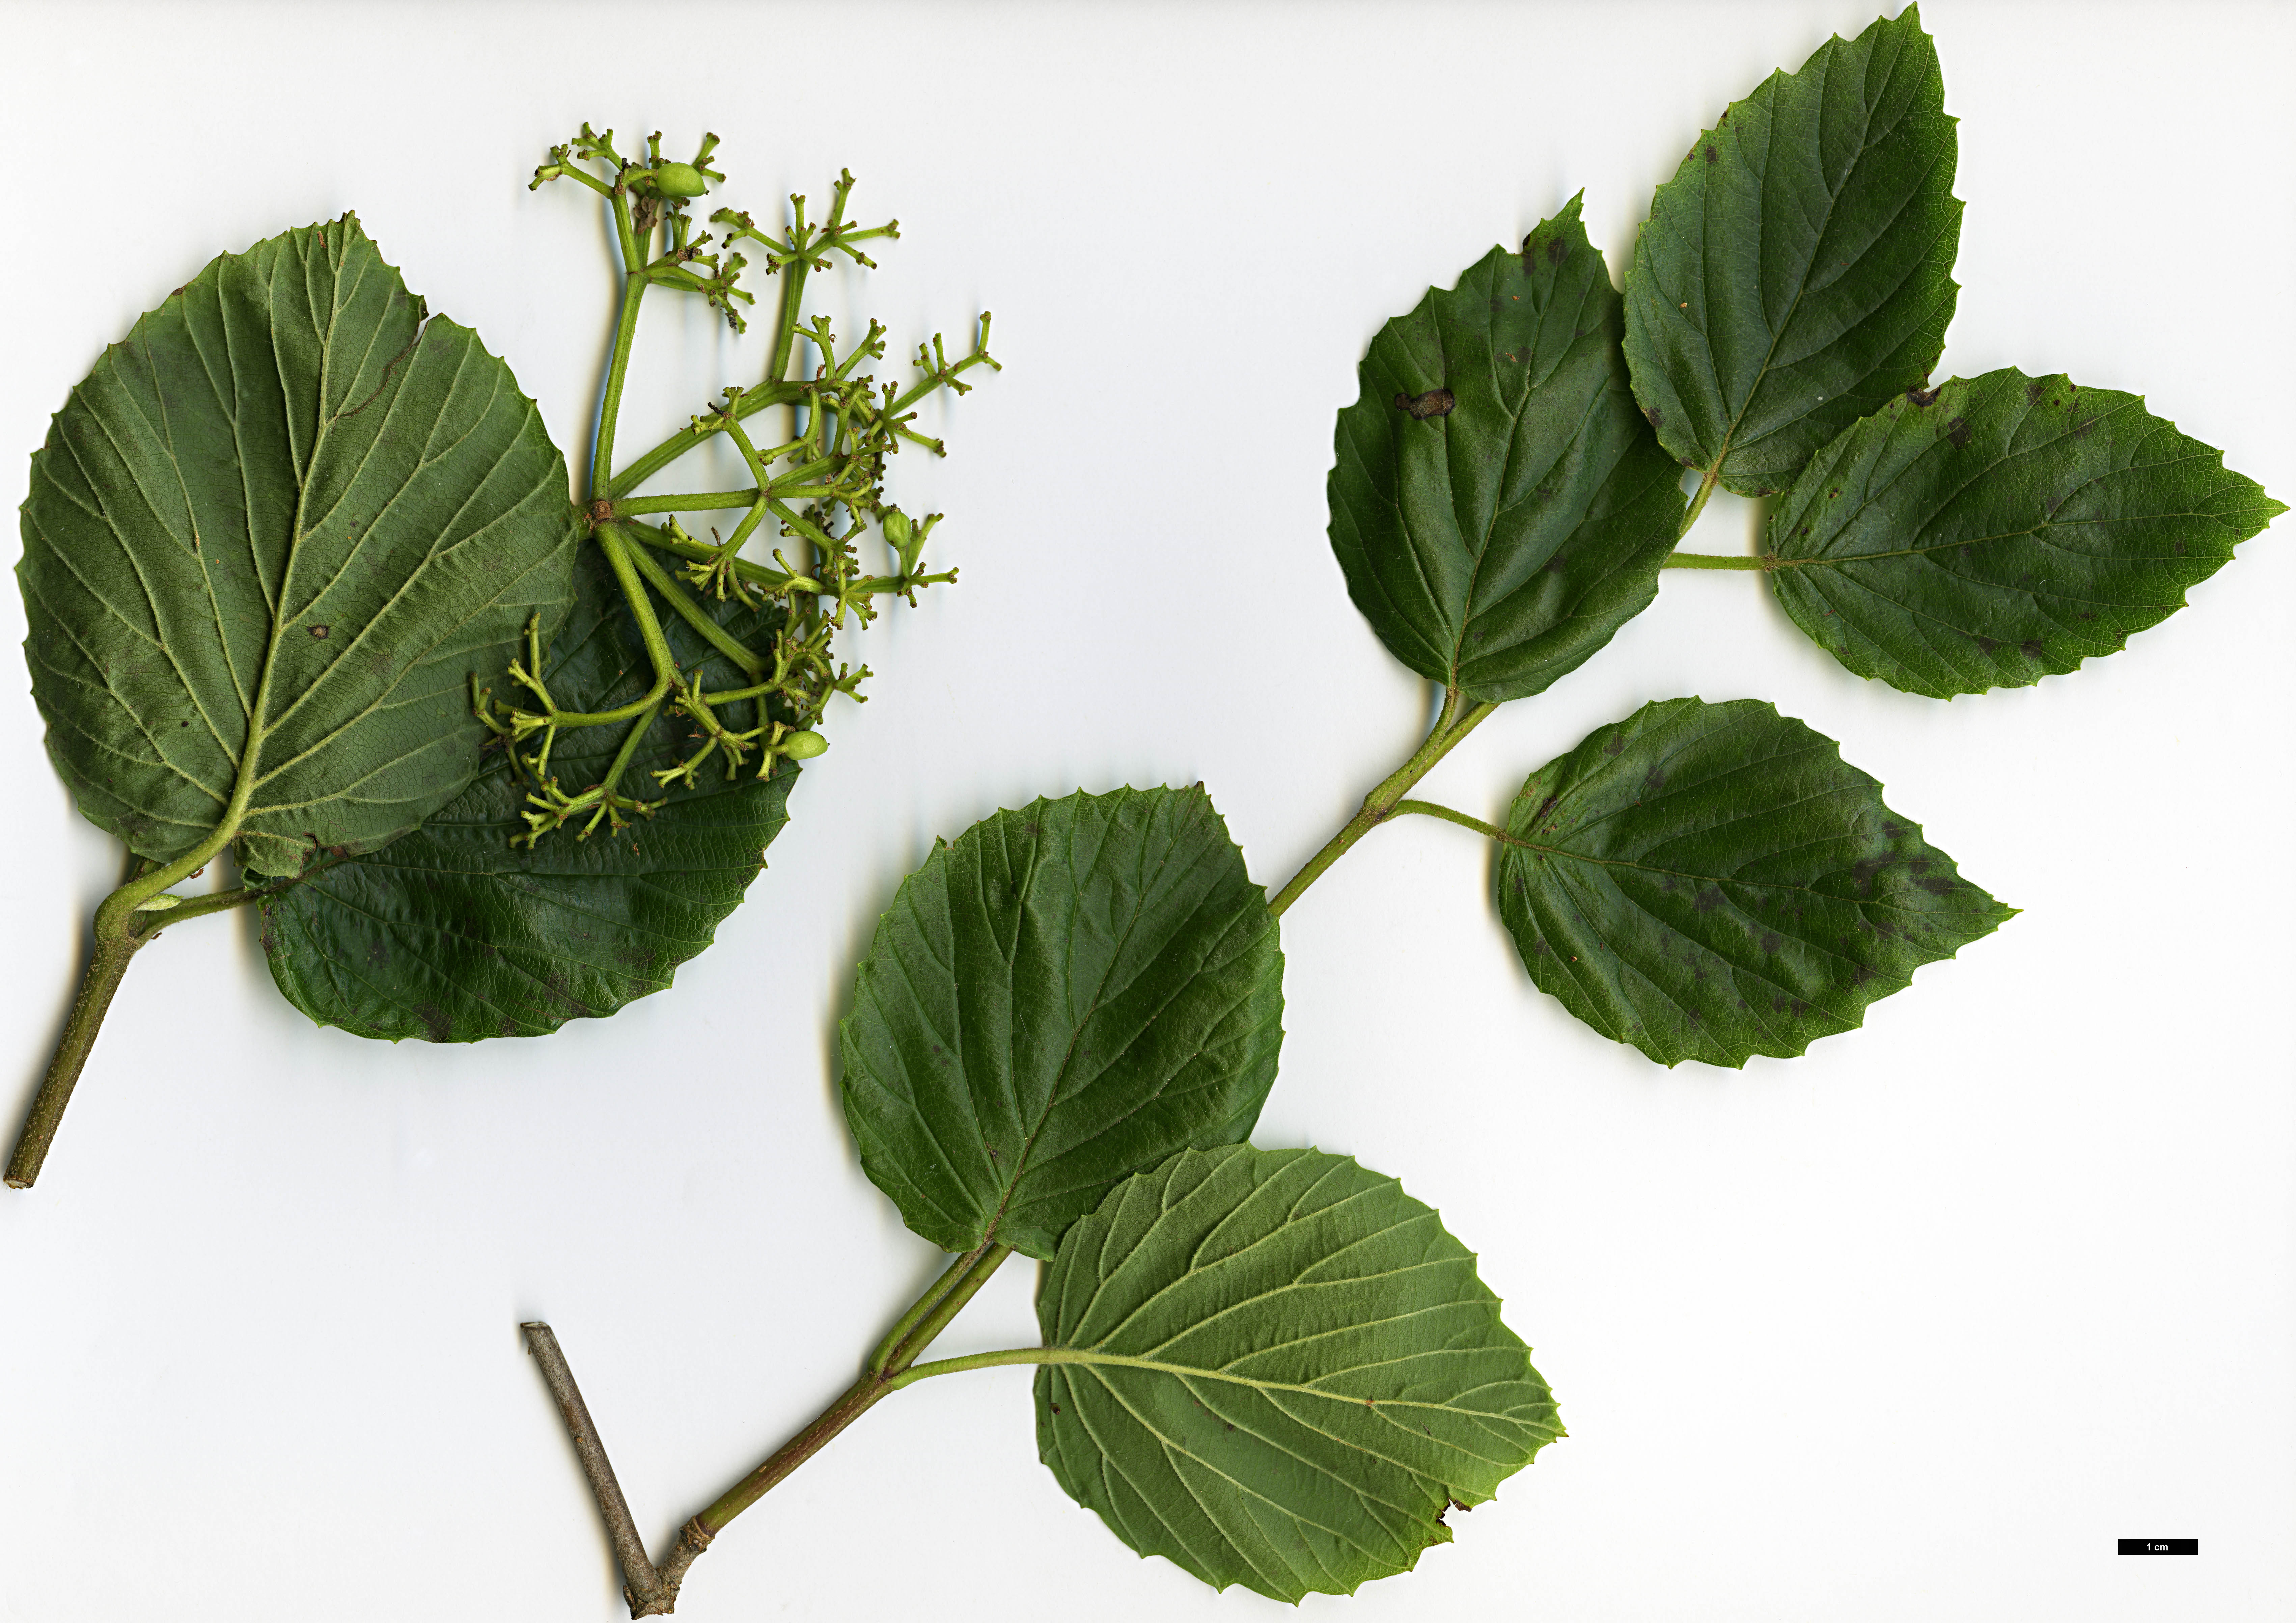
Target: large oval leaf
column 1276, row 1369
column 1070, row 993
column 452, row 934
column 1713, row 881
column 2002, row 529
column 1499, row 508
column 1797, row 270
column 268, row 541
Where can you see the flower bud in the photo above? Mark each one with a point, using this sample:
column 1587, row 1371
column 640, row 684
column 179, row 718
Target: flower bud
column 803, row 745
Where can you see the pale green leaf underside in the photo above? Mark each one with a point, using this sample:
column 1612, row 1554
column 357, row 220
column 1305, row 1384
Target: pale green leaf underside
column 2002, row 529
column 269, row 539
column 1797, row 270
column 1068, row 993
column 1713, row 881
column 1495, row 547
column 1278, row 1369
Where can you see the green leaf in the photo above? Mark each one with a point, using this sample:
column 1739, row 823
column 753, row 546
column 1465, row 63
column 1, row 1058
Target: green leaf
column 1497, row 505
column 269, row 540
column 1278, row 1370
column 452, row 934
column 1070, row 993
column 2002, row 529
column 1797, row 270
column 1713, row 881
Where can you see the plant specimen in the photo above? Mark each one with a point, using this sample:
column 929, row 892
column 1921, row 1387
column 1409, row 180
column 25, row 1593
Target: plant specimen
column 1273, row 1367
column 1064, row 1025
column 305, row 587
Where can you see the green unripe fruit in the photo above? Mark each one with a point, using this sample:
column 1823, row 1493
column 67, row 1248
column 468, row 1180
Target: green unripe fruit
column 897, row 527
column 804, row 746
column 678, row 180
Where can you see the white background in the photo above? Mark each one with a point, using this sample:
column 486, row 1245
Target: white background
column 1913, row 1328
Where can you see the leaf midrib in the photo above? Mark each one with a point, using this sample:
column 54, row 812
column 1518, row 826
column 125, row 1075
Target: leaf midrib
column 1777, row 334
column 259, row 730
column 1100, row 996
column 1565, row 851
column 1499, row 509
column 1094, row 1357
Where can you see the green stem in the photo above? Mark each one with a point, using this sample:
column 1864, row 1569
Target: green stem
column 121, row 931
column 889, row 1350
column 607, row 718
column 701, row 552
column 105, row 967
column 1707, row 560
column 785, row 337
column 685, row 440
column 697, row 501
column 758, row 574
column 1458, row 717
column 735, row 696
column 657, row 646
column 692, row 613
column 626, row 329
column 921, row 1335
column 630, row 742
column 939, row 1306
column 626, row 232
column 917, row 1310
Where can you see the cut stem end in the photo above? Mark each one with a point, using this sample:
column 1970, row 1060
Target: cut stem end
column 106, row 965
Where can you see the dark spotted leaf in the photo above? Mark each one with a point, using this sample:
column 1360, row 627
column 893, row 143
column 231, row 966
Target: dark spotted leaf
column 2001, row 529
column 1070, row 993
column 1498, row 506
column 1273, row 1368
column 452, row 934
column 1797, row 270
column 1713, row 881
column 269, row 539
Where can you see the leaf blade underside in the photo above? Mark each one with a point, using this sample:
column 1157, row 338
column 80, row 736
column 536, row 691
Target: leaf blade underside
column 2001, row 529
column 1282, row 1372
column 1713, row 881
column 453, row 935
column 1495, row 545
column 1796, row 272
column 1068, row 992
column 266, row 543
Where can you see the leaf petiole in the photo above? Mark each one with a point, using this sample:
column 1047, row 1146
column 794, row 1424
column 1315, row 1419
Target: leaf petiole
column 1707, row 560
column 965, row 1276
column 1428, row 808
